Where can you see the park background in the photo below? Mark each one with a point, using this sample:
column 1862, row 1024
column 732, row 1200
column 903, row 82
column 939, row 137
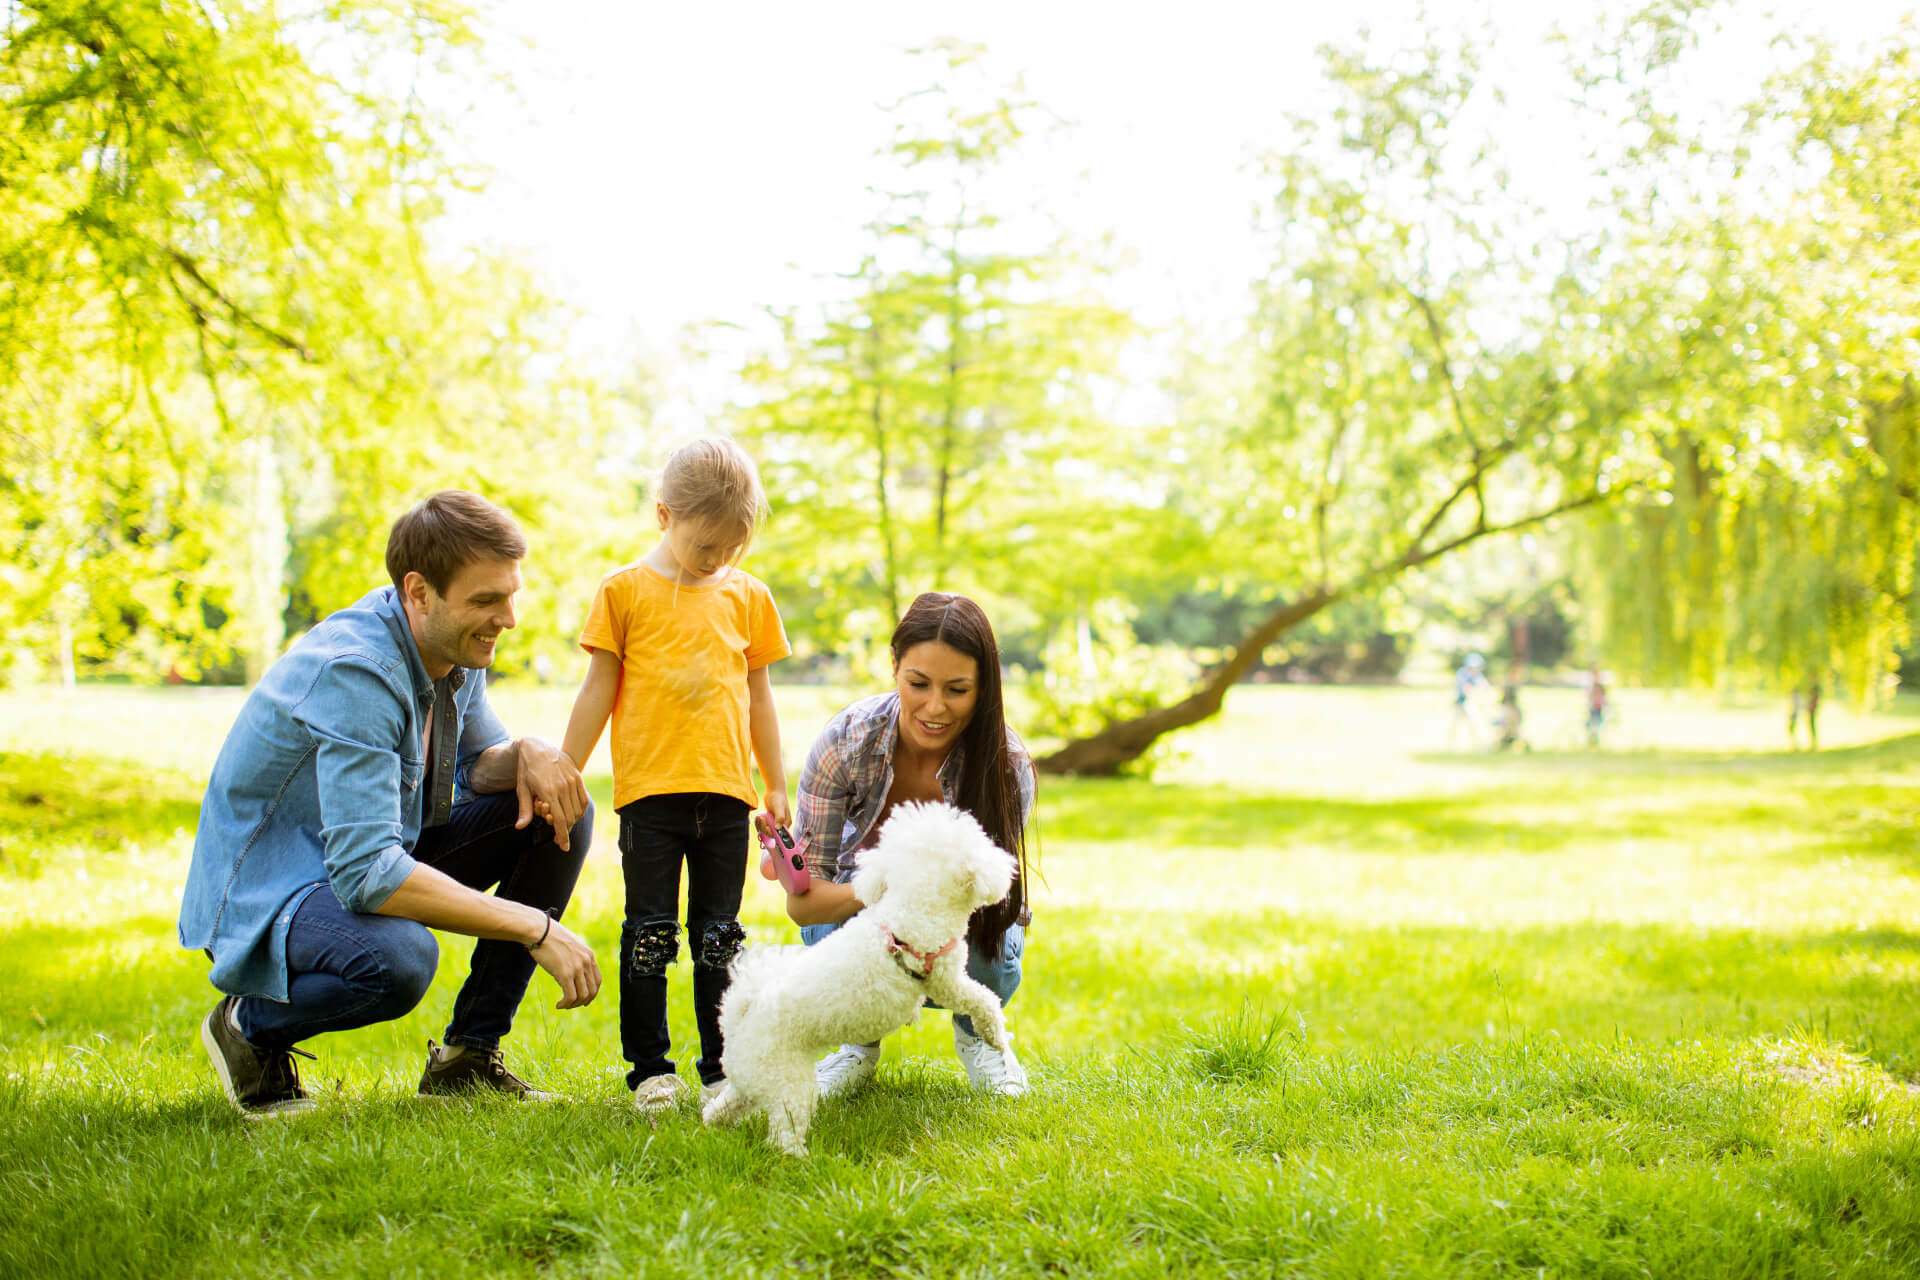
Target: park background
column 1290, row 358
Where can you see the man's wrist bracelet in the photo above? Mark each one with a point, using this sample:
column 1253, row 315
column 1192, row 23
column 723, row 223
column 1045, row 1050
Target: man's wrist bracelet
column 536, row 943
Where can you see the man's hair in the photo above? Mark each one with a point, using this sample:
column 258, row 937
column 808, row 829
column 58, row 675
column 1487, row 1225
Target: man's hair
column 445, row 533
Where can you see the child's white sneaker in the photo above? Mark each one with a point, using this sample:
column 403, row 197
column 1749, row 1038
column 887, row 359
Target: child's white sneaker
column 990, row 1070
column 846, row 1070
column 659, row 1093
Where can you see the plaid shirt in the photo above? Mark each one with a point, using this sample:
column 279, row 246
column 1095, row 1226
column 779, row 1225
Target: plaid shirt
column 844, row 784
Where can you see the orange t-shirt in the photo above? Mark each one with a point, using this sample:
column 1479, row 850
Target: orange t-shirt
column 680, row 718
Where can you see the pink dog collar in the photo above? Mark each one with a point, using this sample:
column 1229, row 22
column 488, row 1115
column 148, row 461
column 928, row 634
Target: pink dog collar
column 895, row 948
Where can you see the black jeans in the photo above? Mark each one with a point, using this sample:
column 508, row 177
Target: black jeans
column 351, row 970
column 709, row 832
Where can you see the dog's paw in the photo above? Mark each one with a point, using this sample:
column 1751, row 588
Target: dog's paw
column 994, row 1031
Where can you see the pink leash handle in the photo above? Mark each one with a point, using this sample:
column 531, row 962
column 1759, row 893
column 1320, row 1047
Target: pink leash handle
column 789, row 862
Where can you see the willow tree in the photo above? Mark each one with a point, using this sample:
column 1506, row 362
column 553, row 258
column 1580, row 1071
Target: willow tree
column 1785, row 550
column 227, row 349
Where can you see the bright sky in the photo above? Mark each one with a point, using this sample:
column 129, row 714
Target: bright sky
column 671, row 163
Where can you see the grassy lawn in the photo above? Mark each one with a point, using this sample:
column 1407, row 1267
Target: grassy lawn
column 1324, row 999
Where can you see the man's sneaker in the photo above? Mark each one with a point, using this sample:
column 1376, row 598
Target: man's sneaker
column 846, row 1070
column 659, row 1093
column 454, row 1069
column 259, row 1082
column 990, row 1070
column 708, row 1092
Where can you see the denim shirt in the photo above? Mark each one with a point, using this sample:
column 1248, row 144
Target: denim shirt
column 849, row 771
column 319, row 783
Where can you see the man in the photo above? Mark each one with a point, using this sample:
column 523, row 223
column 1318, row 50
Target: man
column 366, row 792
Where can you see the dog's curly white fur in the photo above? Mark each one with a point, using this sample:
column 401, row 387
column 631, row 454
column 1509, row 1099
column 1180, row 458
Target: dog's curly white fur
column 931, row 868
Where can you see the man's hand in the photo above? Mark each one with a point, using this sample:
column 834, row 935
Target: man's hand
column 544, row 777
column 571, row 963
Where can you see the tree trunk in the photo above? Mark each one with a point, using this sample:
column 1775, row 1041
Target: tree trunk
column 880, row 479
column 264, row 609
column 1107, row 751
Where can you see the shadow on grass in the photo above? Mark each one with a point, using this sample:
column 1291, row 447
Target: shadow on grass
column 1852, row 801
column 1426, row 985
column 48, row 798
column 1181, row 814
column 1896, row 754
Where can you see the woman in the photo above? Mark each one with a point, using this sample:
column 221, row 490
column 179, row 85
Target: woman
column 940, row 735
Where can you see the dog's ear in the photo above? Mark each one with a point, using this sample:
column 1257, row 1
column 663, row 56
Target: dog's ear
column 992, row 874
column 870, row 875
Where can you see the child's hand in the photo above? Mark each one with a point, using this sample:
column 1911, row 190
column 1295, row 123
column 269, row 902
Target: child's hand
column 778, row 813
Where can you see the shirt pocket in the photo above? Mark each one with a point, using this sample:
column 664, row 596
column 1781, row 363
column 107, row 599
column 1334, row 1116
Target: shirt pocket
column 412, row 774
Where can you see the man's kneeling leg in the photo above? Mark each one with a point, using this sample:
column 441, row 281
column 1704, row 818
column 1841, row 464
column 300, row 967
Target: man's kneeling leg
column 346, row 970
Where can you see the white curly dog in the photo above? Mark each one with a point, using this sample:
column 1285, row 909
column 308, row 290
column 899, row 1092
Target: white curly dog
column 932, row 867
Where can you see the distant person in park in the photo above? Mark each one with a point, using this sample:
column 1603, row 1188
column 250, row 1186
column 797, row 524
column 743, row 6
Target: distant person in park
column 368, row 793
column 1805, row 701
column 940, row 734
column 1468, row 681
column 1596, row 704
column 680, row 642
column 1510, row 719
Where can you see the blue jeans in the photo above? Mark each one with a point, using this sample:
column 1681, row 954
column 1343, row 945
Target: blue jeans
column 352, row 970
column 1000, row 976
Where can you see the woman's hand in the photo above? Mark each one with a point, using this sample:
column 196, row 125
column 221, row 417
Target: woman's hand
column 825, row 903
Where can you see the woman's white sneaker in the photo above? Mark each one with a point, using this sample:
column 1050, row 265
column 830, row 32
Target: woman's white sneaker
column 846, row 1070
column 990, row 1070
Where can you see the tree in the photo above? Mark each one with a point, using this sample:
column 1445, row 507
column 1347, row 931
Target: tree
column 1784, row 552
column 228, row 352
column 1415, row 386
column 927, row 426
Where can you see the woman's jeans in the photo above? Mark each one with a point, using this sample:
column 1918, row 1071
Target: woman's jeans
column 1000, row 976
column 351, row 970
column 709, row 833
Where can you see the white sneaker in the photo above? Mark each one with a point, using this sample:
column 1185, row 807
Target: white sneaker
column 990, row 1070
column 846, row 1070
column 708, row 1092
column 659, row 1093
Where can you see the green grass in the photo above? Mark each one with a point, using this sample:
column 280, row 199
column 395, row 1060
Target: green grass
column 1324, row 1000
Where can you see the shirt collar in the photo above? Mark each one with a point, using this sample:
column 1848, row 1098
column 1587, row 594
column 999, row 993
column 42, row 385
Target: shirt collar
column 395, row 615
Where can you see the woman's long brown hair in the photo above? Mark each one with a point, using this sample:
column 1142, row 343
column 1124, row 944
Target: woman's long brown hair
column 989, row 790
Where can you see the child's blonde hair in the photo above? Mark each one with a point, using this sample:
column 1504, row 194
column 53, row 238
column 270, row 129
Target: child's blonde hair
column 713, row 479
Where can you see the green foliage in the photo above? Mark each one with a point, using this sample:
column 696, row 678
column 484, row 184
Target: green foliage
column 229, row 355
column 1782, row 548
column 1092, row 673
column 937, row 429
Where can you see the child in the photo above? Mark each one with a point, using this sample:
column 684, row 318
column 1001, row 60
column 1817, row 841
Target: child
column 1596, row 704
column 680, row 643
column 1469, row 679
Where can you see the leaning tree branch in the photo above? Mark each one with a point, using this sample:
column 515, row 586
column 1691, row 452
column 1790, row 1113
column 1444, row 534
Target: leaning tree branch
column 1124, row 741
column 1446, row 366
column 239, row 314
